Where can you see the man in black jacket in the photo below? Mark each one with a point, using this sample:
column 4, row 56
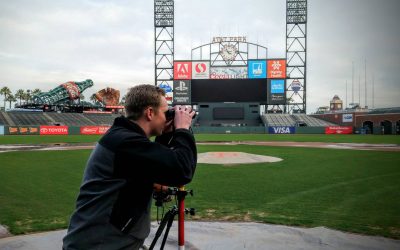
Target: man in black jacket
column 113, row 206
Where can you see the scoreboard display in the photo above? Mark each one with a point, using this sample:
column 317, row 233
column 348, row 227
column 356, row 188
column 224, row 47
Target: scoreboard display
column 262, row 81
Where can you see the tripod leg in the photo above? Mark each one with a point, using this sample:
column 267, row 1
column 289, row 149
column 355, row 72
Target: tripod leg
column 170, row 221
column 161, row 228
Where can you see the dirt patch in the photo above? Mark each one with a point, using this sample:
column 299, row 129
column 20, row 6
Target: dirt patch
column 4, row 232
column 232, row 158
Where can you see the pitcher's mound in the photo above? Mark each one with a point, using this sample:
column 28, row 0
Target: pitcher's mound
column 233, row 158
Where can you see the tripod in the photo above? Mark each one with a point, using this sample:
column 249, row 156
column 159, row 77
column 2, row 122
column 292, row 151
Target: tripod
column 168, row 218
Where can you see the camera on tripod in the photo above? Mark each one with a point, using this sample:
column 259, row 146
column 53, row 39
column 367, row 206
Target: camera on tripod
column 164, row 194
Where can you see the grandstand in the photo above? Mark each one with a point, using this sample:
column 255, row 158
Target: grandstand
column 54, row 118
column 298, row 120
column 91, row 119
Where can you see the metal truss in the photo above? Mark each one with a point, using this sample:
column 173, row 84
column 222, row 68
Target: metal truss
column 296, row 56
column 164, row 45
column 244, row 51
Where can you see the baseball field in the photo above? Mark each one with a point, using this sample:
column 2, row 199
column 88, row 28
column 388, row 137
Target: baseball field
column 349, row 190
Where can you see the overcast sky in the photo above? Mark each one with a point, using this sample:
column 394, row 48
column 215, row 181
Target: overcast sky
column 44, row 43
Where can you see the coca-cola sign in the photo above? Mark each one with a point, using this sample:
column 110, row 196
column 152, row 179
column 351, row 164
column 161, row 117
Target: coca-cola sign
column 94, row 130
column 54, row 130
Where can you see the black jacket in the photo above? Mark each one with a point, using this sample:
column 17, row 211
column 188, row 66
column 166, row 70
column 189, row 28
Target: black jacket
column 114, row 201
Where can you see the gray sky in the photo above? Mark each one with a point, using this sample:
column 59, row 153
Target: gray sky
column 44, row 43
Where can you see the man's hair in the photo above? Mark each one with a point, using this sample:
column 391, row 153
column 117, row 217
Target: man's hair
column 140, row 97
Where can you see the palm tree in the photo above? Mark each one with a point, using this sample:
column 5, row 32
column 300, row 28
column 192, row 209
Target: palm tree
column 10, row 98
column 20, row 95
column 36, row 92
column 5, row 91
column 27, row 96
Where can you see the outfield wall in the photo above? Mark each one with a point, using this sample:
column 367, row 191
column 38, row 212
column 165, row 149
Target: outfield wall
column 99, row 130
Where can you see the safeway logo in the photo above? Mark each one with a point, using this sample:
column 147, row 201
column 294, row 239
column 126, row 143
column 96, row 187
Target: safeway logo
column 182, row 70
column 201, row 70
column 201, row 67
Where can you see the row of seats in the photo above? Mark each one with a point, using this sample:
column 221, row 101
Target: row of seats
column 294, row 120
column 53, row 118
column 2, row 119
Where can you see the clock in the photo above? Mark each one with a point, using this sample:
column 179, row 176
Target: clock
column 229, row 52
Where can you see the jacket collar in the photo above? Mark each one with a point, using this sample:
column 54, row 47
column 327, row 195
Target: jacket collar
column 122, row 121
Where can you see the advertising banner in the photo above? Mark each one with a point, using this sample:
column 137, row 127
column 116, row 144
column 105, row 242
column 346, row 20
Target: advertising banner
column 166, row 87
column 339, row 130
column 53, row 130
column 1, row 130
column 347, row 117
column 22, row 130
column 257, row 69
column 94, row 130
column 276, row 91
column 182, row 92
column 276, row 68
column 228, row 72
column 201, row 70
column 281, row 130
column 183, row 70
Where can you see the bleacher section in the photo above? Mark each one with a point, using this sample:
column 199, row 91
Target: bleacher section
column 293, row 120
column 279, row 120
column 102, row 119
column 2, row 119
column 312, row 121
column 53, row 118
column 28, row 118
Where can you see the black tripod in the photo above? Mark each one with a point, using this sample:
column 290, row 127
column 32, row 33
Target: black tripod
column 168, row 218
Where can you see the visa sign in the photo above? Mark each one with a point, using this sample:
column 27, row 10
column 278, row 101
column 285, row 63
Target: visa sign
column 281, row 130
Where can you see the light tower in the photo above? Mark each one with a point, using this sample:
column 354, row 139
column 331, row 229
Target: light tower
column 296, row 55
column 164, row 44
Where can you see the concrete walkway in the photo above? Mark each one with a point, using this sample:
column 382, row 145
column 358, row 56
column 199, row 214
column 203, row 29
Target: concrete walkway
column 224, row 235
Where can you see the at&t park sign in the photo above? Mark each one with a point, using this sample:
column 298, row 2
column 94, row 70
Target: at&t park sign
column 220, row 39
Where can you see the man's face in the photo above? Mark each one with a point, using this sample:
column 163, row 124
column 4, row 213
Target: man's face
column 158, row 122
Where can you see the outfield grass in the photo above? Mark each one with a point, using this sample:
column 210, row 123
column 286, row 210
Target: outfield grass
column 46, row 139
column 349, row 190
column 40, row 139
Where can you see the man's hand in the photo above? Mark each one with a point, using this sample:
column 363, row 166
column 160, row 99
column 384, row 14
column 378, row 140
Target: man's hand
column 183, row 117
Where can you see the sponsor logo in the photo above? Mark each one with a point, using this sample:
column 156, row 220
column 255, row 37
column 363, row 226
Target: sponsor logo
column 94, row 130
column 228, row 73
column 53, row 130
column 296, row 86
column 182, row 70
column 277, row 68
column 339, row 130
column 281, row 130
column 182, row 86
column 257, row 69
column 347, row 117
column 200, row 67
column 12, row 130
column 166, row 87
column 277, row 86
column 201, row 70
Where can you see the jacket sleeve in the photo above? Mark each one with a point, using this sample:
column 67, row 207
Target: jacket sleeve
column 173, row 165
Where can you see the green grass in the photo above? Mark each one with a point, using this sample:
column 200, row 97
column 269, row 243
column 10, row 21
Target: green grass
column 40, row 139
column 391, row 139
column 356, row 191
column 46, row 139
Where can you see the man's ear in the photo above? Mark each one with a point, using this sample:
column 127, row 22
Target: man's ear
column 149, row 113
